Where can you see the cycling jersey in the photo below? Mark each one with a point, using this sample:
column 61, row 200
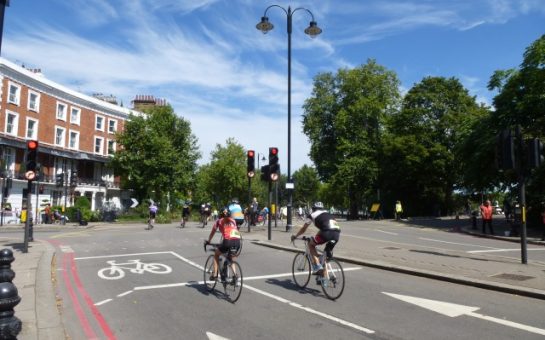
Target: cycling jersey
column 323, row 220
column 236, row 213
column 228, row 228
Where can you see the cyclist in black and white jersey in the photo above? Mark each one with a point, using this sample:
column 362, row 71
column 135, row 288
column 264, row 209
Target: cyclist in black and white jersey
column 329, row 230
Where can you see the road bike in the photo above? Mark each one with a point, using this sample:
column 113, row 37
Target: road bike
column 332, row 278
column 116, row 270
column 229, row 273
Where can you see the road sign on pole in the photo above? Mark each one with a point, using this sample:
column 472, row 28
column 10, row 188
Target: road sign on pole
column 134, row 202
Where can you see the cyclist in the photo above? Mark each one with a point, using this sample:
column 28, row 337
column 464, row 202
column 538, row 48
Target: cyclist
column 206, row 210
column 236, row 212
column 152, row 213
column 231, row 238
column 329, row 230
column 186, row 211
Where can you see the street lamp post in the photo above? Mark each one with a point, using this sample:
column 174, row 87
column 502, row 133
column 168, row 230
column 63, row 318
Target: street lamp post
column 312, row 30
column 263, row 159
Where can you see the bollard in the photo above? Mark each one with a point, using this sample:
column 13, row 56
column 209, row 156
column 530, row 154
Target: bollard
column 10, row 325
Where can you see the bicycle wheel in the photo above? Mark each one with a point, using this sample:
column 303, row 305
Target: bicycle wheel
column 233, row 282
column 333, row 287
column 209, row 270
column 300, row 270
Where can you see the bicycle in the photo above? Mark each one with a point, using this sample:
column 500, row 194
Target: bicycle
column 231, row 279
column 332, row 278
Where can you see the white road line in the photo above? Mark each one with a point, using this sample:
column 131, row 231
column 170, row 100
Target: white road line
column 102, row 302
column 459, row 244
column 310, row 310
column 386, row 232
column 501, row 250
column 120, row 255
column 126, row 293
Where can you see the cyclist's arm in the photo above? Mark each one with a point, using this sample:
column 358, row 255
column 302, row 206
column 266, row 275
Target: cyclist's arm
column 302, row 230
column 212, row 232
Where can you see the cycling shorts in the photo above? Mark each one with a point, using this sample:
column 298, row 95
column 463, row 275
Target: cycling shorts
column 324, row 236
column 185, row 212
column 228, row 244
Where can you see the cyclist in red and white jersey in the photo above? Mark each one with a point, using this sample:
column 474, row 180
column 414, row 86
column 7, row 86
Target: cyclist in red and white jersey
column 231, row 237
column 329, row 230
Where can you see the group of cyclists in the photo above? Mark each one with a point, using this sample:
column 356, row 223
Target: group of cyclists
column 232, row 216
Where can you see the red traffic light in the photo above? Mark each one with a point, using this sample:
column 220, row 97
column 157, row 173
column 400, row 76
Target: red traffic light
column 273, row 151
column 32, row 144
column 251, row 153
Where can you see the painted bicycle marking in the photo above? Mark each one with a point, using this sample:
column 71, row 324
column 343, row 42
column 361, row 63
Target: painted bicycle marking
column 116, row 271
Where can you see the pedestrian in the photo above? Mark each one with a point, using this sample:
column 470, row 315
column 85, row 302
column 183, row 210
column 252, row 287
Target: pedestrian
column 47, row 213
column 254, row 211
column 152, row 215
column 398, row 210
column 468, row 208
column 486, row 215
column 507, row 209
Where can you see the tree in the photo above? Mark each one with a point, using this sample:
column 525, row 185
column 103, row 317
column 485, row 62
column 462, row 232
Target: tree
column 157, row 155
column 344, row 120
column 307, row 185
column 521, row 102
column 422, row 162
column 224, row 178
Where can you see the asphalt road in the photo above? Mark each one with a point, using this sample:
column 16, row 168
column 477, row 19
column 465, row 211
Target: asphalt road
column 376, row 304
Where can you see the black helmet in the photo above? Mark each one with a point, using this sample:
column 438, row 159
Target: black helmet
column 317, row 205
column 225, row 212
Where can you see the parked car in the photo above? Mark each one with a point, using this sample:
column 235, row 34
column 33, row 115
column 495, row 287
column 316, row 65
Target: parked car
column 10, row 217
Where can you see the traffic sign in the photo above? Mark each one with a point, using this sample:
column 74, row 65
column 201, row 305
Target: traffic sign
column 134, row 202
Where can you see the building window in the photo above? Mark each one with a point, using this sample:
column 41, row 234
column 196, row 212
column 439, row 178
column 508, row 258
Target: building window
column 99, row 123
column 99, row 141
column 61, row 111
column 59, row 136
column 33, row 101
column 9, row 161
column 14, row 94
column 73, row 143
column 75, row 114
column 12, row 123
column 31, row 129
column 111, row 146
column 112, row 126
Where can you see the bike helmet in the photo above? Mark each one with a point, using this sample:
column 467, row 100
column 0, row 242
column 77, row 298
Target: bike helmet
column 234, row 201
column 225, row 212
column 317, row 205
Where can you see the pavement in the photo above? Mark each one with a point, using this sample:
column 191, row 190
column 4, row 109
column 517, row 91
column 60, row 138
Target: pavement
column 41, row 316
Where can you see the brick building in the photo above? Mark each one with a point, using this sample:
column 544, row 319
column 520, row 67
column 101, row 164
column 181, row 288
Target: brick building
column 76, row 135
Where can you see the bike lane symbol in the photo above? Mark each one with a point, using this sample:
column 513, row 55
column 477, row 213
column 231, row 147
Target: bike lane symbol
column 116, row 271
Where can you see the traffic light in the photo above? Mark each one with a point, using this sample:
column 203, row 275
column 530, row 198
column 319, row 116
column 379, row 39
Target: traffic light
column 265, row 173
column 31, row 159
column 74, row 178
column 59, row 179
column 505, row 150
column 274, row 167
column 250, row 169
column 535, row 156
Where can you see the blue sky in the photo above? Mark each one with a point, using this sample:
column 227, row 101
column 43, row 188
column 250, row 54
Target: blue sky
column 207, row 59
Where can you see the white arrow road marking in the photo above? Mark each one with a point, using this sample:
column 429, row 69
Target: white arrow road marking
column 212, row 336
column 454, row 310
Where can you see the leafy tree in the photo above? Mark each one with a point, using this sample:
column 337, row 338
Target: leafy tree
column 307, row 185
column 157, row 155
column 521, row 102
column 422, row 162
column 224, row 177
column 344, row 121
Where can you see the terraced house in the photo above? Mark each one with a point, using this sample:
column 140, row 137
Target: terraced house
column 76, row 135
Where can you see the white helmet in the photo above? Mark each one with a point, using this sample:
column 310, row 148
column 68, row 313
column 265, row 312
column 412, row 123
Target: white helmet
column 317, row 205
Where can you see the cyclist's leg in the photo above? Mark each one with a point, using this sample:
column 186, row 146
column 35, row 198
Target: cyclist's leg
column 217, row 254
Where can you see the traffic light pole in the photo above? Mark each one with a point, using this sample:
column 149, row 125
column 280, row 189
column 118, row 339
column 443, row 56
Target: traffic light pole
column 269, row 213
column 28, row 222
column 249, row 204
column 522, row 193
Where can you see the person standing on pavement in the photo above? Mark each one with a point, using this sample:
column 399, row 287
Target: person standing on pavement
column 398, row 210
column 486, row 214
column 254, row 212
